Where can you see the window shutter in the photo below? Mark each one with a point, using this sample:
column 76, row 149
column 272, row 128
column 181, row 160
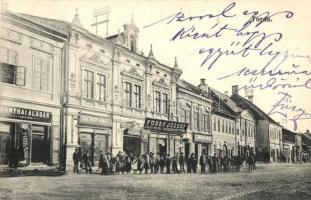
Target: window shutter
column 20, row 75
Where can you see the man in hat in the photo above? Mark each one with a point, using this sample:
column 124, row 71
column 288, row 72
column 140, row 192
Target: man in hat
column 182, row 162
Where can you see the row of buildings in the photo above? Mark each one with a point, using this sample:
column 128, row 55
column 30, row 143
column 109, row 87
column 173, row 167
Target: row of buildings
column 63, row 87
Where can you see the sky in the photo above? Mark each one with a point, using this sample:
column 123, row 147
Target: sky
column 288, row 32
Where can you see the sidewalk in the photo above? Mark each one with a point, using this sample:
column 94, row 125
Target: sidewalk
column 32, row 170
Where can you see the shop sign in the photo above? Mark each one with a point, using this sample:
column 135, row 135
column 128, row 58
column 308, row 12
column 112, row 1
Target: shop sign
column 202, row 138
column 24, row 113
column 165, row 126
column 96, row 120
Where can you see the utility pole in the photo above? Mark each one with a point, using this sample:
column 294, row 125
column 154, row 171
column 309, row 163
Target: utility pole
column 99, row 14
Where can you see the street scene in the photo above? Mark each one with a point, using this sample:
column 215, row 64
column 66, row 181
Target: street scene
column 141, row 100
column 268, row 181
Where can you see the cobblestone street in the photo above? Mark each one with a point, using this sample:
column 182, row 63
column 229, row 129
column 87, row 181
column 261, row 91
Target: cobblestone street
column 271, row 181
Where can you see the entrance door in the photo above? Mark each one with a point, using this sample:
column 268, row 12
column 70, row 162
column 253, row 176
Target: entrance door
column 39, row 144
column 162, row 147
column 86, row 142
column 101, row 145
column 5, row 141
column 196, row 150
column 187, row 149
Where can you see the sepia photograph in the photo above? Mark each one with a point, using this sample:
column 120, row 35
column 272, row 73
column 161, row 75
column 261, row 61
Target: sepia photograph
column 155, row 99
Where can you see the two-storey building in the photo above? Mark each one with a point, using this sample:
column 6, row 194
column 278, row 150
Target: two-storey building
column 31, row 60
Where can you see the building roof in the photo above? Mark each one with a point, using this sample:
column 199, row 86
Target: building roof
column 288, row 135
column 53, row 24
column 245, row 104
column 188, row 86
column 227, row 100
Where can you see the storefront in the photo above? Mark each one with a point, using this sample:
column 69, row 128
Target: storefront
column 165, row 137
column 25, row 133
column 203, row 144
column 94, row 135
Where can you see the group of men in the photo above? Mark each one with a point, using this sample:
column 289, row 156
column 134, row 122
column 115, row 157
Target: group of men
column 156, row 163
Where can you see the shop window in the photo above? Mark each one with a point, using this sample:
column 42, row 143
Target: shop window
column 101, row 87
column 89, row 84
column 41, row 74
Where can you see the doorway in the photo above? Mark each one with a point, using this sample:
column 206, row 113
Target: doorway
column 5, row 144
column 187, row 150
column 162, row 147
column 39, row 144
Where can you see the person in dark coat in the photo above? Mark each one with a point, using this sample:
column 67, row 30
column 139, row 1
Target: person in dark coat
column 86, row 159
column 174, row 164
column 157, row 163
column 76, row 159
column 193, row 163
column 168, row 164
column 209, row 163
column 214, row 163
column 101, row 163
column 140, row 163
column 203, row 163
column 182, row 162
column 162, row 164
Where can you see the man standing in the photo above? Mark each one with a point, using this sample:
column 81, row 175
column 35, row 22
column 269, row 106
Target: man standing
column 182, row 162
column 214, row 163
column 76, row 158
column 168, row 164
column 203, row 163
column 86, row 159
column 209, row 162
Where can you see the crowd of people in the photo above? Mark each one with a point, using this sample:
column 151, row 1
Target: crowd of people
column 152, row 163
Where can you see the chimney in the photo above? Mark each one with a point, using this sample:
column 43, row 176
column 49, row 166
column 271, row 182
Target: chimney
column 249, row 95
column 203, row 86
column 235, row 90
column 202, row 81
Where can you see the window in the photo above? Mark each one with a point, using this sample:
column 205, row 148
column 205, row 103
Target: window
column 9, row 72
column 158, row 101
column 137, row 96
column 128, row 94
column 195, row 120
column 101, row 87
column 223, row 126
column 214, row 124
column 218, row 125
column 226, row 126
column 232, row 128
column 89, row 84
column 132, row 43
column 8, row 56
column 229, row 127
column 206, row 122
column 188, row 119
column 182, row 115
column 238, row 131
column 41, row 74
column 165, row 104
column 12, row 74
